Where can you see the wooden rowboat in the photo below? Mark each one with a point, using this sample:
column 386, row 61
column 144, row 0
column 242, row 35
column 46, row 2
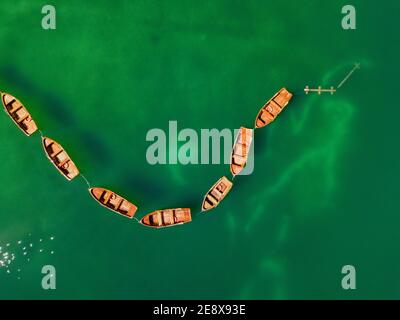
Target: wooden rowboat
column 167, row 218
column 19, row 114
column 114, row 202
column 216, row 194
column 240, row 150
column 273, row 108
column 59, row 157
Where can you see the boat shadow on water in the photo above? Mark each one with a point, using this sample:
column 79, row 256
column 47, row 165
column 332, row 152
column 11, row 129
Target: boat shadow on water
column 90, row 152
column 260, row 143
column 51, row 105
column 138, row 188
column 54, row 110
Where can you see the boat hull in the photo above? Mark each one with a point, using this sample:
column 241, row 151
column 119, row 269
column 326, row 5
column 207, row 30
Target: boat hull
column 167, row 218
column 113, row 202
column 216, row 194
column 60, row 158
column 19, row 114
column 273, row 108
column 240, row 150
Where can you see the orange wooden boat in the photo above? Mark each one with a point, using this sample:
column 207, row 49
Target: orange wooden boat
column 59, row 157
column 167, row 218
column 19, row 114
column 114, row 202
column 240, row 150
column 216, row 194
column 273, row 108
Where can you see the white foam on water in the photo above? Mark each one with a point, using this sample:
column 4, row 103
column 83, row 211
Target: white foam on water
column 8, row 259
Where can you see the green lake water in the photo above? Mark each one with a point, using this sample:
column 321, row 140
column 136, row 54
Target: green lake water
column 324, row 192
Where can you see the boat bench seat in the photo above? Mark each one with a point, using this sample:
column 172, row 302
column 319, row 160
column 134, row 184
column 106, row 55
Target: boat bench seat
column 13, row 105
column 240, row 150
column 216, row 194
column 239, row 160
column 168, row 217
column 266, row 117
column 125, row 207
column 221, row 187
column 53, row 150
column 115, row 201
column 273, row 108
column 20, row 114
column 61, row 158
column 283, row 98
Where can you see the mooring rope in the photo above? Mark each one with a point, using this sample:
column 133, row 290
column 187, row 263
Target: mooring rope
column 198, row 213
column 137, row 220
column 86, row 180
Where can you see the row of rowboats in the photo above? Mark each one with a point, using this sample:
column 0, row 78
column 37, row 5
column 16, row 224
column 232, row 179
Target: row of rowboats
column 118, row 204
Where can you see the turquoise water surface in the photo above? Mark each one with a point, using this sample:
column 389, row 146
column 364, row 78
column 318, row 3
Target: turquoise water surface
column 324, row 190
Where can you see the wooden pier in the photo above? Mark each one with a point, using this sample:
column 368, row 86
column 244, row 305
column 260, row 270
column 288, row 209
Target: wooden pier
column 319, row 90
